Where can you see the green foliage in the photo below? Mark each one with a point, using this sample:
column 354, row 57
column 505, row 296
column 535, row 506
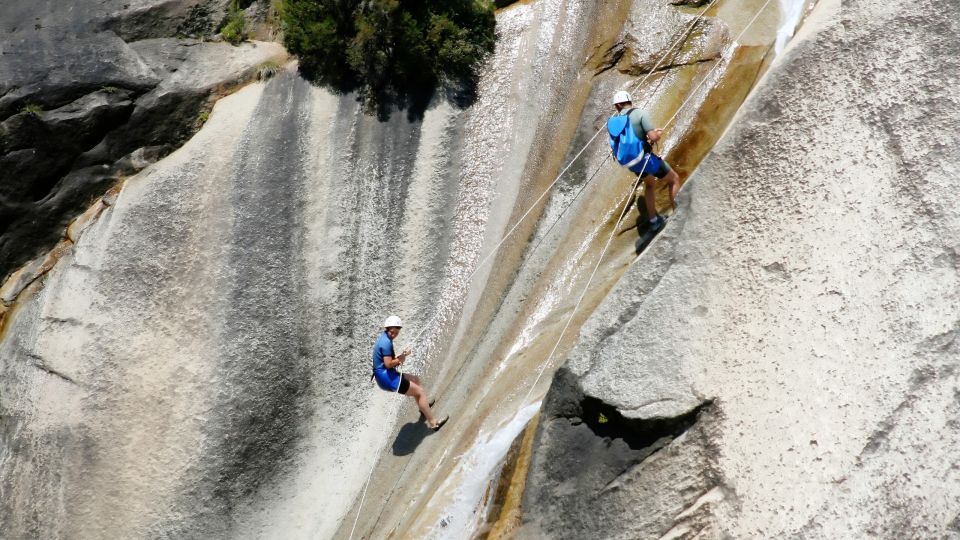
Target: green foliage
column 33, row 109
column 268, row 69
column 234, row 29
column 393, row 52
column 203, row 117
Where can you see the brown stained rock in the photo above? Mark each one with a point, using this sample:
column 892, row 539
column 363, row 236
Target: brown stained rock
column 22, row 278
column 18, row 281
column 53, row 256
column 84, row 220
column 512, row 481
column 110, row 197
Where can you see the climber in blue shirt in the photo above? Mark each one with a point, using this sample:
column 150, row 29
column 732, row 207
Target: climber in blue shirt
column 639, row 157
column 385, row 364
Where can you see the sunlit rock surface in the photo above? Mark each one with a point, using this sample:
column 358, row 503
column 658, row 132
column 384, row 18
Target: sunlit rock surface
column 205, row 344
column 198, row 363
column 796, row 324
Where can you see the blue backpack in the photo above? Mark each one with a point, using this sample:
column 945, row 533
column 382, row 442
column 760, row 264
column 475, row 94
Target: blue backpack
column 628, row 148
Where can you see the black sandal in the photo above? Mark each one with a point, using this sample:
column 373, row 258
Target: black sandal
column 440, row 423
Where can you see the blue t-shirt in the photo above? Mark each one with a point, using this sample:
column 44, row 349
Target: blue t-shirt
column 387, row 378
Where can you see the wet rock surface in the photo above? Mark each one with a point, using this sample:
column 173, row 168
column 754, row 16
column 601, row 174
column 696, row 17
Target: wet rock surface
column 197, row 363
column 807, row 287
column 83, row 87
column 650, row 29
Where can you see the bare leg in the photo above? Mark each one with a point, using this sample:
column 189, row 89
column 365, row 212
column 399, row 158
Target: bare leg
column 423, row 403
column 673, row 179
column 649, row 196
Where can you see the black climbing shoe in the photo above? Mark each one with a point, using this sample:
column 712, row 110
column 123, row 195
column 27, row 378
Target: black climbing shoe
column 656, row 223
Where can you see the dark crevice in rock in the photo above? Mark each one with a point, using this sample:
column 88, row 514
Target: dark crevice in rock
column 611, row 58
column 70, row 321
column 636, row 71
column 638, row 433
column 607, row 422
column 57, row 100
column 591, row 464
column 620, row 55
column 39, row 363
column 668, row 67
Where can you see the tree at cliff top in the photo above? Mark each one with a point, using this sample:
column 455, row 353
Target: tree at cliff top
column 394, row 53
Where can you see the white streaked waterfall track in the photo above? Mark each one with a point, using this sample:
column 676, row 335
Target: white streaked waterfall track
column 212, row 329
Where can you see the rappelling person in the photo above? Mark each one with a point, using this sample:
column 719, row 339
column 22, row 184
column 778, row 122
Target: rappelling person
column 632, row 137
column 385, row 372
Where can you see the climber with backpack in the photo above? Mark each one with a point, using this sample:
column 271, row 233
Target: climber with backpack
column 385, row 364
column 632, row 137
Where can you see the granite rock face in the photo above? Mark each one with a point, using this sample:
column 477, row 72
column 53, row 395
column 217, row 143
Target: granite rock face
column 86, row 85
column 197, row 363
column 802, row 301
column 620, row 492
column 651, row 28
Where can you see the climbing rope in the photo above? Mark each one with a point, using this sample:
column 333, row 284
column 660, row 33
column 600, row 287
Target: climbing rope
column 716, row 65
column 362, row 497
column 613, row 233
column 583, row 293
column 606, row 246
column 683, row 36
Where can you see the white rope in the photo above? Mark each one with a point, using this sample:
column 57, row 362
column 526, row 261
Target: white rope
column 716, row 65
column 499, row 244
column 586, row 287
column 362, row 497
column 496, row 248
column 613, row 233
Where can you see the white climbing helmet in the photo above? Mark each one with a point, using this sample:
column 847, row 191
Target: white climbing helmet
column 621, row 97
column 392, row 321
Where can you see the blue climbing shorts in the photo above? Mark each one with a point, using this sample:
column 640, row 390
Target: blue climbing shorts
column 655, row 166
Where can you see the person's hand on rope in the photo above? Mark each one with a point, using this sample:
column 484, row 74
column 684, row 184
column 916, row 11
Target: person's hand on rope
column 654, row 135
column 402, row 357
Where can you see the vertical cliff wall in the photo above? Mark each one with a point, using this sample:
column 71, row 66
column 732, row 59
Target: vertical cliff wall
column 783, row 361
column 197, row 362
